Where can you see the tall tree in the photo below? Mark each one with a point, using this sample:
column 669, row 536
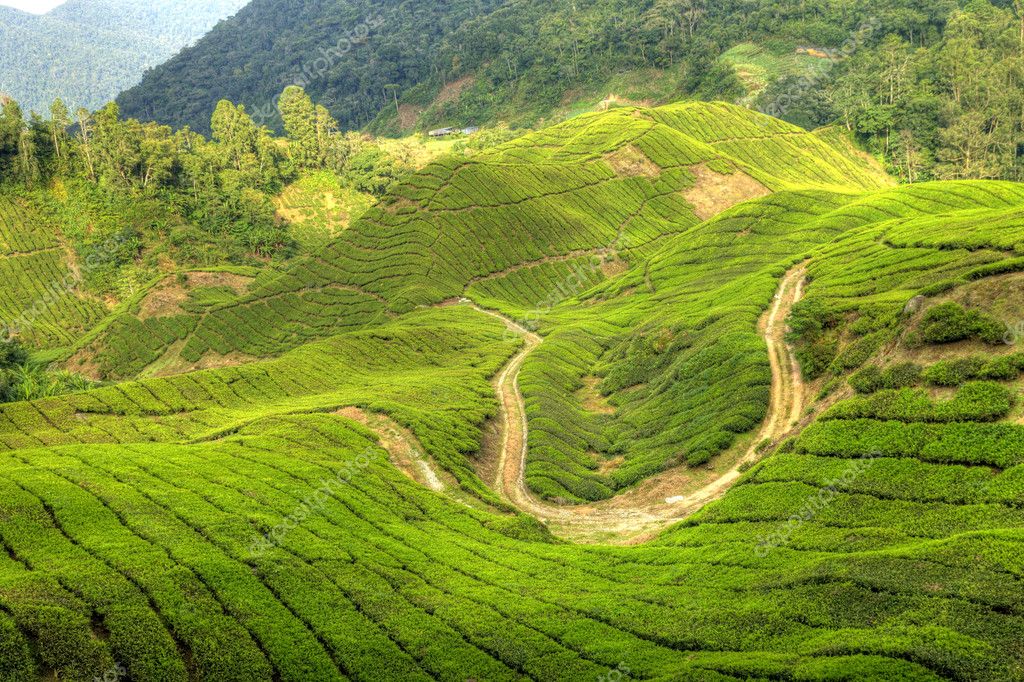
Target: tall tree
column 60, row 121
column 300, row 124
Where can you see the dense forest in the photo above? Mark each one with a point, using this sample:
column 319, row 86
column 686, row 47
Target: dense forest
column 351, row 55
column 104, row 46
column 944, row 109
column 359, row 57
column 936, row 88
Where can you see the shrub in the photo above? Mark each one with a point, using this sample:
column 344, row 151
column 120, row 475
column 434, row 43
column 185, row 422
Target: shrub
column 903, row 375
column 867, row 380
column 816, row 358
column 999, row 369
column 872, row 378
column 949, row 322
column 953, row 372
column 938, row 288
column 979, row 401
column 860, row 351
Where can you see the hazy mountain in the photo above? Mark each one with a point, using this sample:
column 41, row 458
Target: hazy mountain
column 87, row 51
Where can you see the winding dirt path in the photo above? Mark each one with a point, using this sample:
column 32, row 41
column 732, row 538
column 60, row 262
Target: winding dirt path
column 636, row 515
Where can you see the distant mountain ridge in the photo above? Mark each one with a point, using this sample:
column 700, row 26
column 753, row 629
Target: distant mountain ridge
column 346, row 53
column 104, row 46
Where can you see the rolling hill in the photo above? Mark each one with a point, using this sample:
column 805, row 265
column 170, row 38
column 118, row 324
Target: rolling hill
column 114, row 43
column 400, row 453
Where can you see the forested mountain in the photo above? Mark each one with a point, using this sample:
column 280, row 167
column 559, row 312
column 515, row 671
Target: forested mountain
column 87, row 51
column 935, row 88
column 346, row 53
column 513, row 59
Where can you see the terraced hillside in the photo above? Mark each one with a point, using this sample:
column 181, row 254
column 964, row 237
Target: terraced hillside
column 603, row 185
column 41, row 297
column 328, row 509
column 543, row 219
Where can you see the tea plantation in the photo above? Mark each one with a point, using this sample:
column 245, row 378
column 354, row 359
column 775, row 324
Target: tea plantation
column 40, row 298
column 240, row 523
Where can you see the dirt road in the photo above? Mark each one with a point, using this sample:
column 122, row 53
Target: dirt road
column 638, row 514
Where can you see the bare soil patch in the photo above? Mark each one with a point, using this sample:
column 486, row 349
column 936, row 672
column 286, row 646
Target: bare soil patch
column 408, row 115
column 614, row 100
column 609, row 465
column 813, row 52
column 614, row 267
column 631, row 162
column 404, row 449
column 399, row 204
column 172, row 363
column 164, row 301
column 453, row 91
column 84, row 362
column 166, row 298
column 715, row 192
column 591, row 399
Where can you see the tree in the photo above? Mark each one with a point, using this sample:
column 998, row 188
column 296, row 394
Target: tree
column 60, row 121
column 300, row 124
column 85, row 141
column 28, row 163
column 12, row 123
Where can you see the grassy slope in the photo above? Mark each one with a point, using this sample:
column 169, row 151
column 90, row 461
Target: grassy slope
column 318, row 208
column 133, row 514
column 758, row 67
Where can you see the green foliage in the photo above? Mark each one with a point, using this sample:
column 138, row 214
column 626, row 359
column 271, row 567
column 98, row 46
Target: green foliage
column 522, row 63
column 953, row 372
column 532, row 228
column 41, row 301
column 950, row 322
column 23, row 379
column 873, row 378
column 232, row 523
column 816, row 347
column 924, row 104
column 977, row 401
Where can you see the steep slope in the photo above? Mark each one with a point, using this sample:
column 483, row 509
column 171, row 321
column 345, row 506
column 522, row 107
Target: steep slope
column 105, row 46
column 602, row 186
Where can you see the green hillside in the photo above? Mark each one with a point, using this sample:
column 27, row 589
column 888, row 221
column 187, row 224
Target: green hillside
column 932, row 88
column 42, row 297
column 534, row 222
column 681, row 393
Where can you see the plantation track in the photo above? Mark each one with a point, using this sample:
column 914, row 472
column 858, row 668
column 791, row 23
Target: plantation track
column 635, row 515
